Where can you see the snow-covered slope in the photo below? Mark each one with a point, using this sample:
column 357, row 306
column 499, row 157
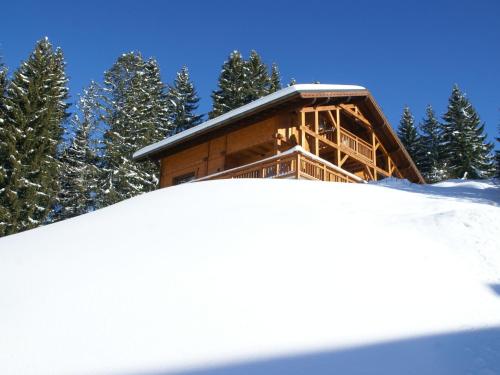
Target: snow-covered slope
column 261, row 277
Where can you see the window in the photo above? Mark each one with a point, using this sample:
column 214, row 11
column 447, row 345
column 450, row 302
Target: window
column 183, row 178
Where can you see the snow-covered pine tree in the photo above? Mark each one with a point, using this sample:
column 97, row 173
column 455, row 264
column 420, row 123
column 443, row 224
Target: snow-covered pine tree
column 407, row 133
column 275, row 80
column 467, row 153
column 79, row 173
column 257, row 80
column 3, row 92
column 4, row 155
column 136, row 114
column 36, row 109
column 432, row 165
column 497, row 155
column 183, row 102
column 231, row 86
column 292, row 82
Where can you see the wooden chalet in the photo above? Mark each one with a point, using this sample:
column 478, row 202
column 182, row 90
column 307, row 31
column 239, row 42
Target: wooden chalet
column 314, row 131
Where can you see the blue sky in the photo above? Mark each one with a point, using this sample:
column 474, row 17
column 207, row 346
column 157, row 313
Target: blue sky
column 405, row 52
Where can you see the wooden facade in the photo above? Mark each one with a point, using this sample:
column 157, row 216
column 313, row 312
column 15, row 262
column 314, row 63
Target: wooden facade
column 339, row 138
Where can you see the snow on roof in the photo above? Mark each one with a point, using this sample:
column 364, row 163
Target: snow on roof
column 278, row 95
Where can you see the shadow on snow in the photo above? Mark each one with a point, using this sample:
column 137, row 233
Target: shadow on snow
column 467, row 352
column 489, row 194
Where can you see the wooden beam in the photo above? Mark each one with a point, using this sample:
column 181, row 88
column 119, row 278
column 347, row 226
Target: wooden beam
column 374, row 154
column 302, row 133
column 332, row 119
column 355, row 114
column 323, row 140
column 338, row 136
column 320, row 108
column 341, row 162
column 316, row 130
column 369, row 171
column 392, row 169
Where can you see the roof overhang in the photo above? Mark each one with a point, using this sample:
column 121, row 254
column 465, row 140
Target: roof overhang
column 249, row 109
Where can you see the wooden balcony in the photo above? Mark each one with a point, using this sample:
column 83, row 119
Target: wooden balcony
column 355, row 145
column 349, row 143
column 294, row 163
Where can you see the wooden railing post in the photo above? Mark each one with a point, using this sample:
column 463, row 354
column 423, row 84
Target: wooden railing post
column 297, row 172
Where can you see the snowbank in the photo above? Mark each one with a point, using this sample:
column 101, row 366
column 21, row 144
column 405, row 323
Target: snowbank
column 260, row 276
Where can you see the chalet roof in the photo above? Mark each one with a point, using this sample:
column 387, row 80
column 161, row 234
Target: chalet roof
column 238, row 113
column 315, row 93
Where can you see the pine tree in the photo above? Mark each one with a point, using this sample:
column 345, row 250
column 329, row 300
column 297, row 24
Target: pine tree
column 275, row 80
column 292, row 82
column 431, row 165
column 497, row 155
column 409, row 136
column 256, row 78
column 243, row 81
column 4, row 155
column 36, row 108
column 183, row 102
column 79, row 172
column 3, row 93
column 136, row 114
column 467, row 153
column 231, row 87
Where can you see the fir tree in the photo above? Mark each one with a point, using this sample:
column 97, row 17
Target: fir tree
column 4, row 155
column 136, row 115
column 409, row 136
column 3, row 93
column 292, row 82
column 432, row 165
column 231, row 87
column 243, row 81
column 275, row 80
column 497, row 155
column 256, row 78
column 467, row 153
column 183, row 102
column 36, row 108
column 79, row 171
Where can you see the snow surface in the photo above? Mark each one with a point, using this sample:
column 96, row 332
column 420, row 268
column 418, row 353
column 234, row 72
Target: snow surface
column 287, row 91
column 261, row 277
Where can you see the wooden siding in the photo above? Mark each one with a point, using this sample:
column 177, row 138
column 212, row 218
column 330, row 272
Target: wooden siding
column 210, row 157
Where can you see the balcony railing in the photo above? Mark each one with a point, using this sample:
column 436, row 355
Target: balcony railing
column 356, row 144
column 294, row 163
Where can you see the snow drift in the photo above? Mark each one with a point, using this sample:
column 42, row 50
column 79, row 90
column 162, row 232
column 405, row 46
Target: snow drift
column 261, row 276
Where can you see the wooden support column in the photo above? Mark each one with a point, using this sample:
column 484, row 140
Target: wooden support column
column 277, row 143
column 316, row 131
column 338, row 136
column 389, row 165
column 302, row 132
column 374, row 156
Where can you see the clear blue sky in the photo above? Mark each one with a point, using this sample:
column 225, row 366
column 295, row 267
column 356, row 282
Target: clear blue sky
column 405, row 52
